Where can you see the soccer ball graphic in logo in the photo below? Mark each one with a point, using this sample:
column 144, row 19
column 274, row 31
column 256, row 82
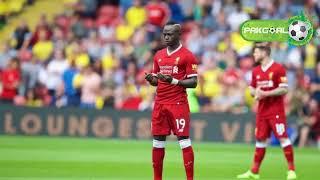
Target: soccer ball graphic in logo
column 298, row 30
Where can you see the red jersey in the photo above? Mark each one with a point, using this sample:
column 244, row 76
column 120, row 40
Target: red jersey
column 158, row 13
column 269, row 78
column 180, row 64
column 9, row 77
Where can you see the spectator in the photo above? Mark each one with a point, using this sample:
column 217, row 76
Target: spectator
column 5, row 55
column 87, row 8
column 216, row 7
column 21, row 36
column 78, row 28
column 110, row 61
column 192, row 40
column 32, row 100
column 43, row 49
column 158, row 13
column 124, row 32
column 93, row 44
column 59, row 99
column 30, row 71
column 90, row 87
column 310, row 124
column 130, row 99
column 221, row 25
column 72, row 94
column 59, row 38
column 310, row 59
column 186, row 7
column 208, row 20
column 236, row 18
column 79, row 52
column 55, row 70
column 176, row 10
column 108, row 87
column 42, row 27
column 271, row 12
column 10, row 78
column 42, row 78
column 136, row 15
column 211, row 79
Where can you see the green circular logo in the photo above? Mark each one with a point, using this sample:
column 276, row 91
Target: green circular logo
column 300, row 30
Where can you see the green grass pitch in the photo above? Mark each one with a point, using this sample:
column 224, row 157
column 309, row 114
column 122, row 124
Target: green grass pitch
column 48, row 158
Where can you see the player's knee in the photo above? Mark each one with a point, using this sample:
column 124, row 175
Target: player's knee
column 160, row 138
column 158, row 144
column 182, row 137
column 261, row 144
column 285, row 142
column 184, row 143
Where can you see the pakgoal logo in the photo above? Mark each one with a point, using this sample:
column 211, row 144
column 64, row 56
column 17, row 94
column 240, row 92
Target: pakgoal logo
column 297, row 30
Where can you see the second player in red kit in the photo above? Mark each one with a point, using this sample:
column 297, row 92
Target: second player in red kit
column 174, row 70
column 268, row 86
column 271, row 113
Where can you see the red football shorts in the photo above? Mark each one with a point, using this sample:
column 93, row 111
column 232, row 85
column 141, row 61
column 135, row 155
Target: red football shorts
column 170, row 117
column 276, row 124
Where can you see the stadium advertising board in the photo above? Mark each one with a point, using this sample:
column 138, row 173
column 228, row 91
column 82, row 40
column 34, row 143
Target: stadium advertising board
column 118, row 124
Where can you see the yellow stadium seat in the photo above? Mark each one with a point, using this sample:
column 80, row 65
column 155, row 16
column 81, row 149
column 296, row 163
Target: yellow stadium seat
column 15, row 6
column 4, row 9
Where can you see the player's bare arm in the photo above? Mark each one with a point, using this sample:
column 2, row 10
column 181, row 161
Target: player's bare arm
column 186, row 83
column 191, row 82
column 260, row 94
column 153, row 80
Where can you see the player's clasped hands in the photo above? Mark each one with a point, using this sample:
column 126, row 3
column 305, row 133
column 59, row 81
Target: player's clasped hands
column 165, row 78
column 259, row 94
column 162, row 77
column 148, row 76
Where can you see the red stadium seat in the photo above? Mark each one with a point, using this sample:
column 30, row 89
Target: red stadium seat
column 89, row 23
column 63, row 21
column 107, row 10
column 108, row 15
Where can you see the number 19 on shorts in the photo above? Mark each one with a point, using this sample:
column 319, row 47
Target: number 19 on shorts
column 181, row 123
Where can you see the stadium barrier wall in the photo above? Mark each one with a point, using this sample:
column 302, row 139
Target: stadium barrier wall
column 76, row 122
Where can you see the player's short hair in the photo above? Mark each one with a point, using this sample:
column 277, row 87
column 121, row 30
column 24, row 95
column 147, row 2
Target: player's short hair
column 265, row 46
column 172, row 23
column 176, row 25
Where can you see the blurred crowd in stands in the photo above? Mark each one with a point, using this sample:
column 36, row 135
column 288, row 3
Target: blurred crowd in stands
column 96, row 53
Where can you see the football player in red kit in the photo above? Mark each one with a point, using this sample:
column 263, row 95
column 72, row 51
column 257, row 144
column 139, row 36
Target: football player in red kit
column 268, row 86
column 174, row 70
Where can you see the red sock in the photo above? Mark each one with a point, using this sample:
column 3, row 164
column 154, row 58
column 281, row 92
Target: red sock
column 188, row 159
column 288, row 153
column 258, row 157
column 157, row 161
